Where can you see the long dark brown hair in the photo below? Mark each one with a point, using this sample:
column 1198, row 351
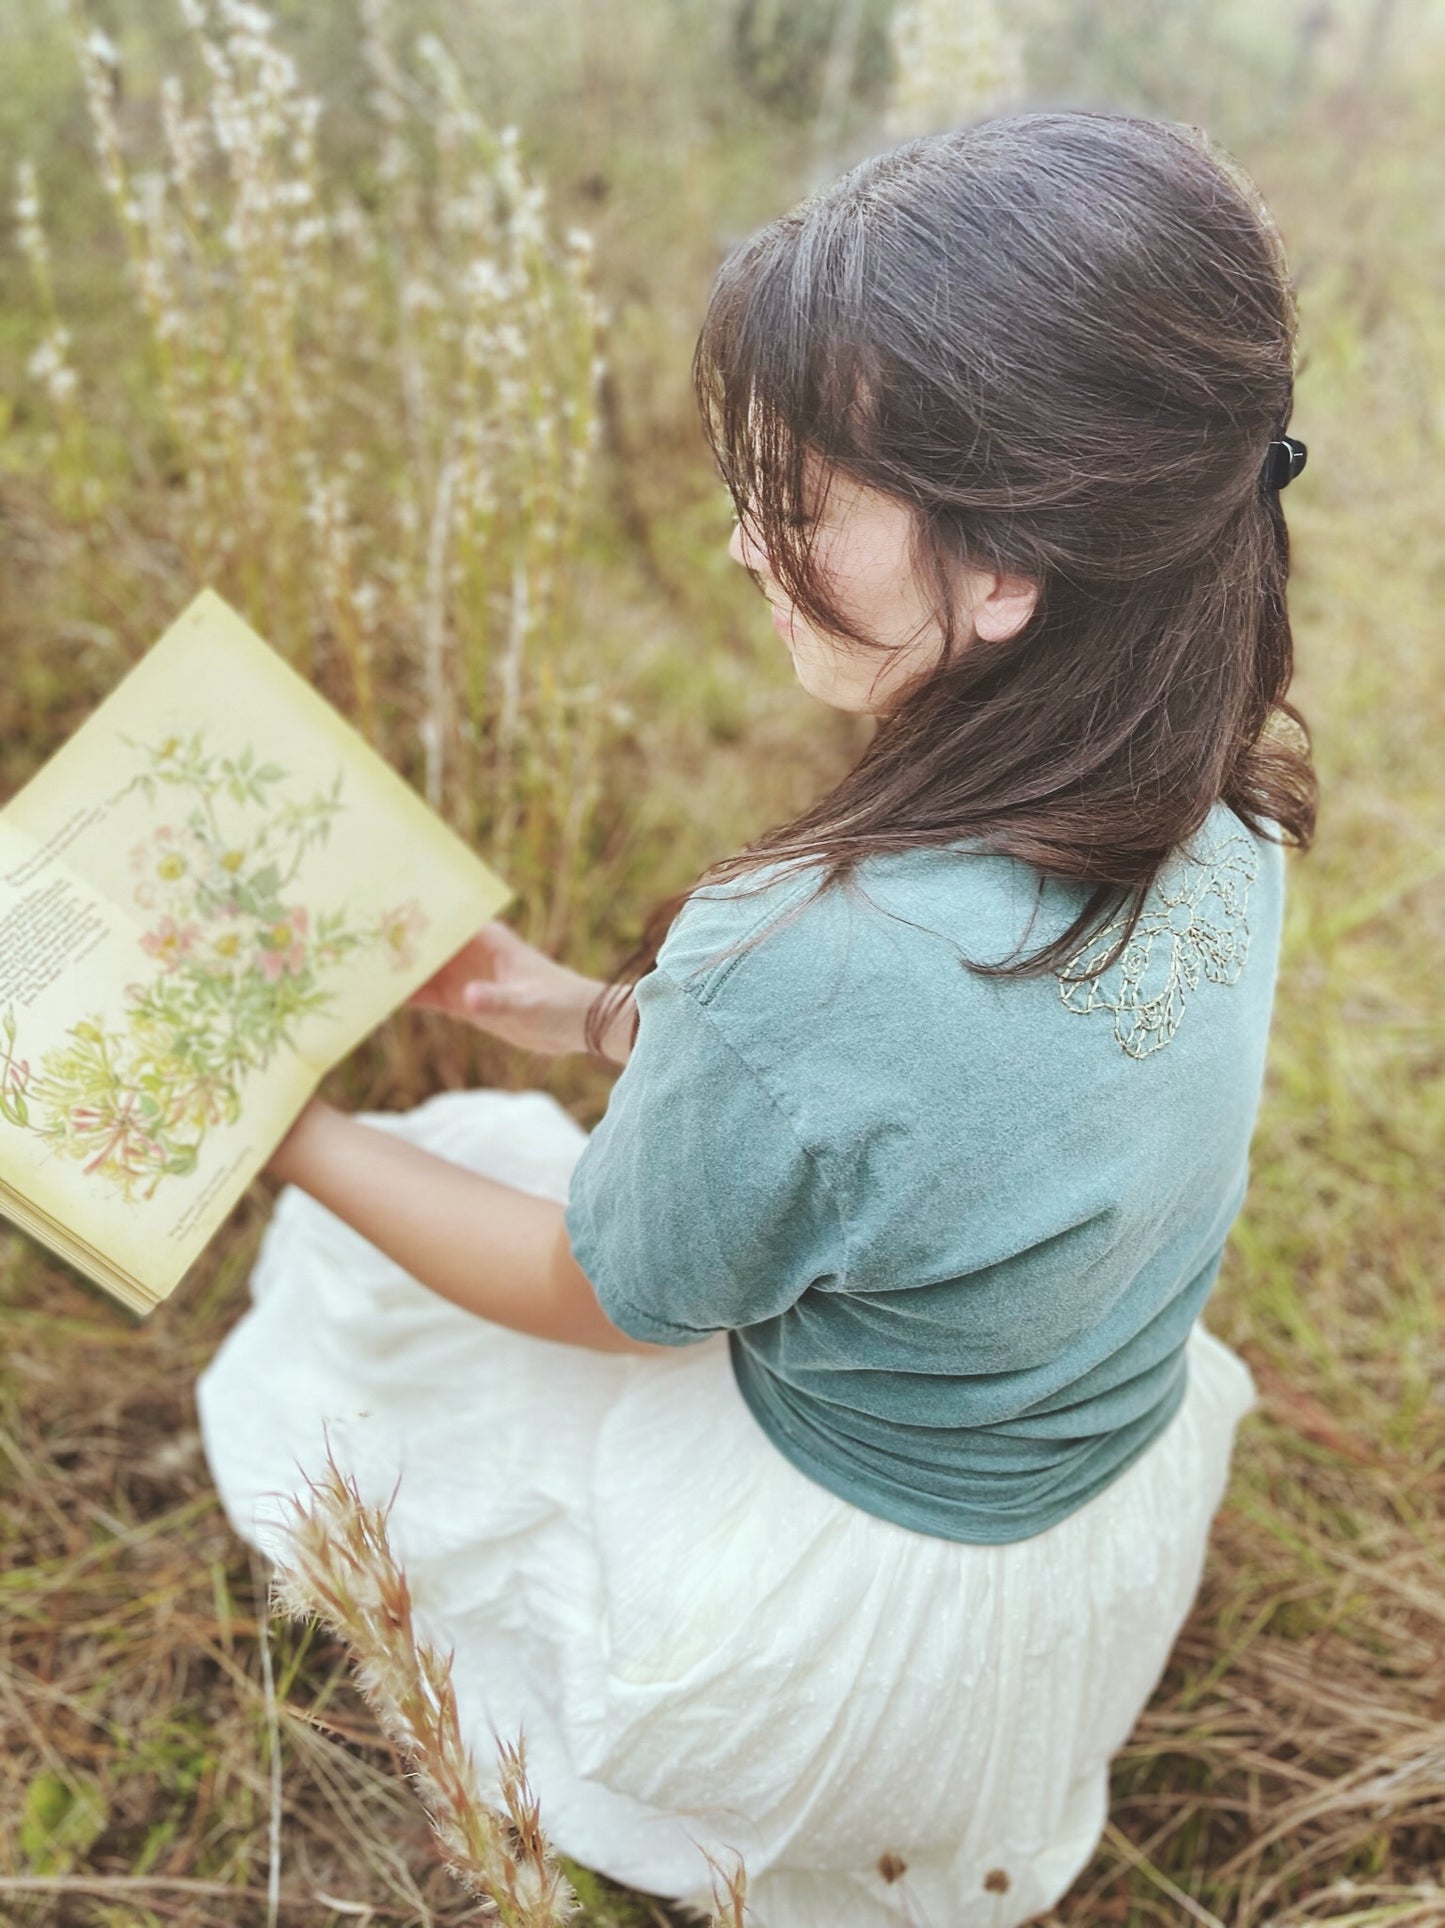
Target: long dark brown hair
column 1065, row 341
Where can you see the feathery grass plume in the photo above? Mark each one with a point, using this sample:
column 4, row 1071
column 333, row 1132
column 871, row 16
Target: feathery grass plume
column 497, row 343
column 380, row 407
column 729, row 1893
column 953, row 61
column 521, row 403
column 50, row 364
column 342, row 1571
column 224, row 241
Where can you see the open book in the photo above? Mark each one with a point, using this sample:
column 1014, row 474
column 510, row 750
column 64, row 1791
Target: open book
column 208, row 897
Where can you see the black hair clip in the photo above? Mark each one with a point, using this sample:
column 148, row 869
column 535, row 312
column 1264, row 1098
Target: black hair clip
column 1283, row 461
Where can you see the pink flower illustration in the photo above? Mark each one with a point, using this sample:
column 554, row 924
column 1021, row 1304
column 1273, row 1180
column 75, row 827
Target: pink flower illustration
column 283, row 945
column 169, row 942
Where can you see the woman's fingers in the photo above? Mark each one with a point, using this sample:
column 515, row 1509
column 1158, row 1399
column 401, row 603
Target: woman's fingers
column 475, row 961
column 499, row 981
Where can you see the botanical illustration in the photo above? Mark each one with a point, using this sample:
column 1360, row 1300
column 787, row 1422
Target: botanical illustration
column 235, row 960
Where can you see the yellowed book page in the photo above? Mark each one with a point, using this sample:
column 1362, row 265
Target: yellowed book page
column 64, row 948
column 233, row 889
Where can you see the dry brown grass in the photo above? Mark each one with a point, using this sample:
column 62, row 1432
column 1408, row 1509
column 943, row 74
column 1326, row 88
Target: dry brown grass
column 144, row 1672
column 1300, row 1730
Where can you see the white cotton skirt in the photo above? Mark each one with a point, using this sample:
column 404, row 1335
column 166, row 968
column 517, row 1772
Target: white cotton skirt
column 705, row 1650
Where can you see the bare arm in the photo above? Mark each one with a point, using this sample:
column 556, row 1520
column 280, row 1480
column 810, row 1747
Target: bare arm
column 496, row 1251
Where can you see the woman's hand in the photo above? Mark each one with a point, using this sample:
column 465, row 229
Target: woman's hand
column 506, row 986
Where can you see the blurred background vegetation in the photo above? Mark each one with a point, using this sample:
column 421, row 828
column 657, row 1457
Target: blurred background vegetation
column 284, row 307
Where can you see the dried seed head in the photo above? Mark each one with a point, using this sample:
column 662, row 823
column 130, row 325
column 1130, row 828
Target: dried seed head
column 338, row 1566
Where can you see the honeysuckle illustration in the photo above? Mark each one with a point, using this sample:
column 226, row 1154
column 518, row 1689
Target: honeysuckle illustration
column 91, row 1109
column 14, row 1076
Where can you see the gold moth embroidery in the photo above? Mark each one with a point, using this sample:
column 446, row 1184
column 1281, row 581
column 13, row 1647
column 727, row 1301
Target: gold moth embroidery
column 1193, row 926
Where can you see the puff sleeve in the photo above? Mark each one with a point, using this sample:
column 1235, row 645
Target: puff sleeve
column 694, row 1207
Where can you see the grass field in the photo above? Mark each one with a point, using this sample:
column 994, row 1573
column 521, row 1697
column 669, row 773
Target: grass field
column 168, row 1748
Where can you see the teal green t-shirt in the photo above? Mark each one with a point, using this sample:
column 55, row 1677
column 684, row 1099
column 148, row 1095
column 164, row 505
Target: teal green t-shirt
column 958, row 1228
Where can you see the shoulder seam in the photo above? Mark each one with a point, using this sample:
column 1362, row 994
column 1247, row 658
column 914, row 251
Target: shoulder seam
column 715, row 975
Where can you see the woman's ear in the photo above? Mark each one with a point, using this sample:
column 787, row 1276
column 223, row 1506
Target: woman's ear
column 1004, row 604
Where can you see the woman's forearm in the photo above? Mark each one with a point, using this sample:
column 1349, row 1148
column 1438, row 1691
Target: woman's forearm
column 488, row 1247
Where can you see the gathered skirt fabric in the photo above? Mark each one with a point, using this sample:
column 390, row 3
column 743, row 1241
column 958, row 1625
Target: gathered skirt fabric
column 704, row 1649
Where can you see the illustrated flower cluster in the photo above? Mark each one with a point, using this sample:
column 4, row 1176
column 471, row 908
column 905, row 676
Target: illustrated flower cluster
column 238, row 962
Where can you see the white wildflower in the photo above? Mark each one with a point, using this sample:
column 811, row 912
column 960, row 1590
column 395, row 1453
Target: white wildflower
column 33, row 244
column 484, row 281
column 246, row 19
column 953, row 60
column 366, row 601
column 50, row 367
column 349, row 223
column 419, row 296
column 101, row 47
